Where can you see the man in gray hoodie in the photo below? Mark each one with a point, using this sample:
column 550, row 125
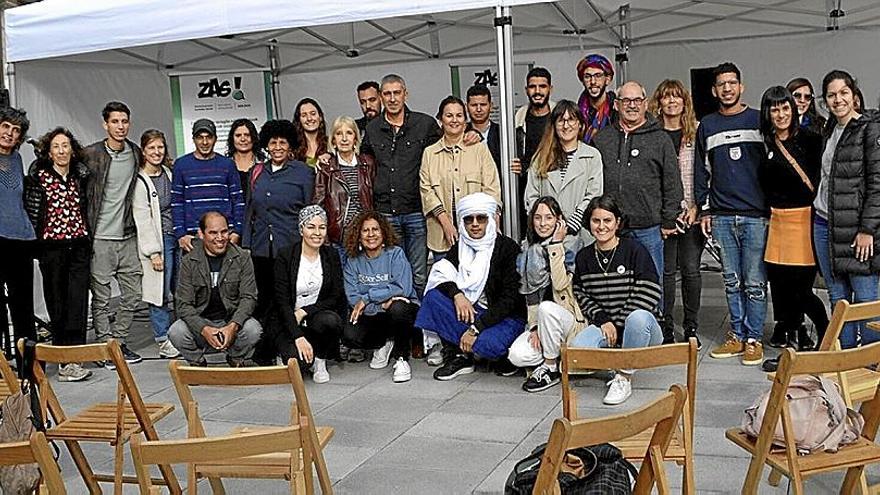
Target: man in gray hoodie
column 641, row 171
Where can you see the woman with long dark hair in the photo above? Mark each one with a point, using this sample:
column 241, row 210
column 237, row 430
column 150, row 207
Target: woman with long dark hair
column 566, row 168
column 846, row 227
column 311, row 131
column 672, row 105
column 56, row 203
column 789, row 175
column 243, row 146
column 808, row 117
column 545, row 269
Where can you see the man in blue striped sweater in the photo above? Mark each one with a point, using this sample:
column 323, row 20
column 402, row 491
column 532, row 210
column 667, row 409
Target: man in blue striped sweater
column 729, row 145
column 205, row 181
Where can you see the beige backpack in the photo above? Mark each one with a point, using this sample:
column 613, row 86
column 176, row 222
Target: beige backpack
column 819, row 416
column 17, row 423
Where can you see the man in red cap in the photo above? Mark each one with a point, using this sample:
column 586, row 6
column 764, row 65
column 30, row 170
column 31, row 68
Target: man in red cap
column 596, row 104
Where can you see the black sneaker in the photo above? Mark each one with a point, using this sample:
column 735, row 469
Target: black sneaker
column 356, row 356
column 692, row 332
column 770, row 365
column 130, row 356
column 343, row 353
column 458, row 365
column 542, row 379
column 503, row 367
column 105, row 364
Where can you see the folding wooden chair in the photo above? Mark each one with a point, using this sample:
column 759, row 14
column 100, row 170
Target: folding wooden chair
column 113, row 423
column 681, row 449
column 217, row 450
column 660, row 418
column 36, row 450
column 296, row 468
column 9, row 383
column 853, row 458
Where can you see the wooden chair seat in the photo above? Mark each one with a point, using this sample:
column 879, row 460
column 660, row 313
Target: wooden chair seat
column 857, row 454
column 635, row 447
column 98, row 422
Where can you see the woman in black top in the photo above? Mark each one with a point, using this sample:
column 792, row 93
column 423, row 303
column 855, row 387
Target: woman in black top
column 243, row 147
column 789, row 174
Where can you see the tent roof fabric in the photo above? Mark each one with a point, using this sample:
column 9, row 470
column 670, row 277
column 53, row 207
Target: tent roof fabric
column 54, row 28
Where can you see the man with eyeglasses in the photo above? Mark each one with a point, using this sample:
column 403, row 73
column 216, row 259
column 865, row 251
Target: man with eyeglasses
column 595, row 72
column 733, row 210
column 640, row 169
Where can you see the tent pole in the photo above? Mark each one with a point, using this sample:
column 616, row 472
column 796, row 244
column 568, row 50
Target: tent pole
column 504, row 51
column 274, row 69
column 622, row 53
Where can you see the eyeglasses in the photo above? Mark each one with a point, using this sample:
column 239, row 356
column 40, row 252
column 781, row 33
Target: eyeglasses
column 631, row 101
column 594, row 77
column 478, row 218
column 567, row 121
column 802, row 96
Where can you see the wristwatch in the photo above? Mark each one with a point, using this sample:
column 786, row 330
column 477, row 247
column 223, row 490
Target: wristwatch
column 473, row 329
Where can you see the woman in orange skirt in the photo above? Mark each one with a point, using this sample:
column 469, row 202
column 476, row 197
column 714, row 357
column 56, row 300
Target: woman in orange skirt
column 789, row 176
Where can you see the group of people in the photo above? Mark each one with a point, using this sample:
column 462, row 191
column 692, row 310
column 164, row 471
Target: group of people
column 313, row 239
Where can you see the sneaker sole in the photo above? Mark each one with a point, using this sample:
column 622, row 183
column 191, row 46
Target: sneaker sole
column 73, row 379
column 376, row 366
column 542, row 387
column 434, row 362
column 464, row 371
column 617, row 402
column 718, row 355
column 401, row 379
column 753, row 362
column 320, row 380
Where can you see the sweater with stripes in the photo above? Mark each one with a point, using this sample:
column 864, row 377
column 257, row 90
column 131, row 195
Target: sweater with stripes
column 200, row 186
column 629, row 283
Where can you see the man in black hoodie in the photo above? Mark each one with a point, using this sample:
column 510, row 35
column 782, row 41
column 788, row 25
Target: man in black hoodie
column 641, row 171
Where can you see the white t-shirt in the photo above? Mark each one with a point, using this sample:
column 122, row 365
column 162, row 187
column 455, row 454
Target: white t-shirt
column 309, row 279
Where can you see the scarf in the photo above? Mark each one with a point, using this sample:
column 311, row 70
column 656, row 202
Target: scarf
column 308, row 213
column 534, row 266
column 474, row 255
column 597, row 118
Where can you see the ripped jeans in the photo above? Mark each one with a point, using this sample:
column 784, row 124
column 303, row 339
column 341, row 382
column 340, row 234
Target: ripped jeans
column 742, row 240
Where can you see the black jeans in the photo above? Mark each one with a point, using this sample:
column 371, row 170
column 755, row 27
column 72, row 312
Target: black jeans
column 791, row 290
column 372, row 331
column 264, row 273
column 17, row 276
column 322, row 329
column 65, row 268
column 682, row 252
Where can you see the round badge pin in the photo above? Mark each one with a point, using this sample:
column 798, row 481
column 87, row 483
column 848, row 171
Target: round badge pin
column 634, row 152
column 770, row 155
column 620, row 269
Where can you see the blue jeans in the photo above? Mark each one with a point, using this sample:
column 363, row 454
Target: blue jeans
column 413, row 234
column 652, row 239
column 742, row 241
column 639, row 330
column 160, row 316
column 844, row 286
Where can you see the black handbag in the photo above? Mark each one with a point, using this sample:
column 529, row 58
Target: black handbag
column 606, row 472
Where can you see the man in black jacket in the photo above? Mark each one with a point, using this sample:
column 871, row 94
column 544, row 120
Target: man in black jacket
column 474, row 303
column 397, row 140
column 479, row 107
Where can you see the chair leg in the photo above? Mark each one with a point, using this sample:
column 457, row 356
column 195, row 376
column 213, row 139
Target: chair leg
column 82, row 465
column 775, row 477
column 688, row 484
column 117, row 468
column 217, row 486
column 170, row 479
column 192, row 481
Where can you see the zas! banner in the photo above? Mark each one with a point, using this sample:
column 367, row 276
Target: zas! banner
column 222, row 97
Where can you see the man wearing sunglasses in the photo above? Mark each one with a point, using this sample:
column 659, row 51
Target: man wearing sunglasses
column 473, row 302
column 640, row 168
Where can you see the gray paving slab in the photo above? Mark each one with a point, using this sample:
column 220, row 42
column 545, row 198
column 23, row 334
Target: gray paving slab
column 442, row 454
column 363, row 404
column 380, row 480
column 459, row 426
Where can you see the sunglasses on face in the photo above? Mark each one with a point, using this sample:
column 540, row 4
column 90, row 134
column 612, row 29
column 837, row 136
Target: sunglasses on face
column 478, row 218
column 802, row 96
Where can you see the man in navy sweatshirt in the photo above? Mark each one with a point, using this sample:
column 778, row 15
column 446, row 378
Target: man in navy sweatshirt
column 729, row 145
column 204, row 181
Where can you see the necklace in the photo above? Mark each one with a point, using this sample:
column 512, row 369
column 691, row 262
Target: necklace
column 606, row 259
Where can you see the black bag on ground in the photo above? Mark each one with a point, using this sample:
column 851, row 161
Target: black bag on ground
column 19, row 416
column 605, row 472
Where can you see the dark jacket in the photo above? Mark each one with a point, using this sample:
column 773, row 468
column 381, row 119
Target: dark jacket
column 331, row 297
column 493, row 141
column 35, row 194
column 238, row 287
column 641, row 172
column 271, row 219
column 96, row 158
column 332, row 193
column 502, row 284
column 398, row 158
column 854, row 192
column 783, row 187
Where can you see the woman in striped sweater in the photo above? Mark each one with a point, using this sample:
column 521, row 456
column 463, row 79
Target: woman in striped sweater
column 616, row 287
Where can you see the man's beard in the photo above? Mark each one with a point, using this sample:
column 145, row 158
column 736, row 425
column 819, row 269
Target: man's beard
column 542, row 104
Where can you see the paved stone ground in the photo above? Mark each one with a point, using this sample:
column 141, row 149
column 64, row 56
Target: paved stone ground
column 458, row 437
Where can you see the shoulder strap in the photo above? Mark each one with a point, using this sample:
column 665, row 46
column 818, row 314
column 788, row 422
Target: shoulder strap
column 794, row 164
column 255, row 174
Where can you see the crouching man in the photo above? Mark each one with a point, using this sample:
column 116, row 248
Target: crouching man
column 473, row 302
column 216, row 295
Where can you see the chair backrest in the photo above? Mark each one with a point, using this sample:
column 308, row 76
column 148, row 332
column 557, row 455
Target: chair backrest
column 845, row 312
column 580, row 358
column 105, row 351
column 35, row 450
column 194, row 450
column 9, row 384
column 662, row 414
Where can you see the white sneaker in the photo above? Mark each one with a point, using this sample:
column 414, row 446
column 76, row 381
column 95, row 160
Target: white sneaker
column 167, row 350
column 435, row 355
column 619, row 389
column 381, row 356
column 402, row 371
column 319, row 371
column 72, row 372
